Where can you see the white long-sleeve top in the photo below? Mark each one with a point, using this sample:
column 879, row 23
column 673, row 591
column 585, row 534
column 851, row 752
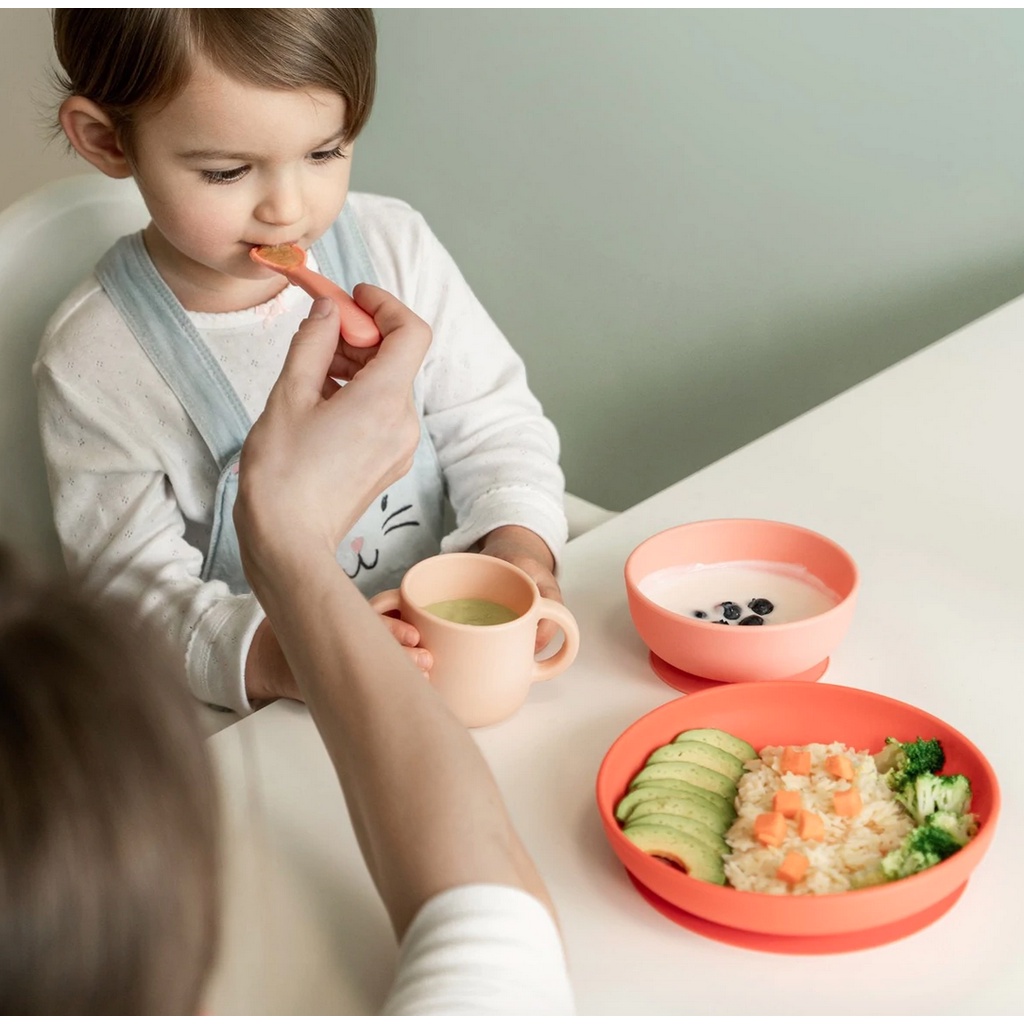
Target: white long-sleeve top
column 132, row 483
column 481, row 949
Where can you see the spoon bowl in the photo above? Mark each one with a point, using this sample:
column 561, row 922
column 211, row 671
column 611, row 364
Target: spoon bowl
column 357, row 326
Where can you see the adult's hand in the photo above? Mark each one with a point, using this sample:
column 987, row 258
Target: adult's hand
column 320, row 453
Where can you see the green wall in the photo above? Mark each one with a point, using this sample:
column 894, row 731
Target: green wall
column 694, row 225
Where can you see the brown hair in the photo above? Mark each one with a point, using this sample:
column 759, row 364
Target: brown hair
column 108, row 853
column 126, row 59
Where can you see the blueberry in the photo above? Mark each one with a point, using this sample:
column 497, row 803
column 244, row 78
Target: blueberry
column 751, row 620
column 761, row 606
column 700, row 615
column 731, row 610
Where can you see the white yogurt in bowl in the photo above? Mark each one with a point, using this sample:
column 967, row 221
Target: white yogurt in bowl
column 730, row 592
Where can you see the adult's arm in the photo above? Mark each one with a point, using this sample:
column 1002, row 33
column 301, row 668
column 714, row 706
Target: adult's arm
column 426, row 810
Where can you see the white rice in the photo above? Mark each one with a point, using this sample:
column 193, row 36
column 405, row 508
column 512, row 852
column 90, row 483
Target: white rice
column 850, row 844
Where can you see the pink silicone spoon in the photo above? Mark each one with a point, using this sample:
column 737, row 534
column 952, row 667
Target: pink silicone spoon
column 357, row 326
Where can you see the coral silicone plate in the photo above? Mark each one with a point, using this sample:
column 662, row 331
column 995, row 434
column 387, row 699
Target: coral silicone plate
column 796, row 713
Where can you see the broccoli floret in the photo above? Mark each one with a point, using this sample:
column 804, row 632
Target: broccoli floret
column 929, row 793
column 922, row 848
column 901, row 763
column 962, row 827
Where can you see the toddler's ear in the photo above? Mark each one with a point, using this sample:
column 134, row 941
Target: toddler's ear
column 91, row 132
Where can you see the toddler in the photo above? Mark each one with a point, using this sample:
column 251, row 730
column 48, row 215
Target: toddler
column 238, row 128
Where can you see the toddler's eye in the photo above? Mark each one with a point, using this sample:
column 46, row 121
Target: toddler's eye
column 224, row 177
column 321, row 156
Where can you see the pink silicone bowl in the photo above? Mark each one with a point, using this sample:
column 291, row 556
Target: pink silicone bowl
column 797, row 713
column 753, row 653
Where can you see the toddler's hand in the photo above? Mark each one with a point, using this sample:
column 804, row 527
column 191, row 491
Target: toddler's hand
column 408, row 636
column 524, row 549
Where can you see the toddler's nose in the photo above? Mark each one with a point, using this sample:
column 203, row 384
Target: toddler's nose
column 281, row 203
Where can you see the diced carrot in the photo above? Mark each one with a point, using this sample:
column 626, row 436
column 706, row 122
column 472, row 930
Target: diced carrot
column 793, row 867
column 787, row 802
column 847, row 802
column 796, row 761
column 810, row 826
column 770, row 828
column 839, row 766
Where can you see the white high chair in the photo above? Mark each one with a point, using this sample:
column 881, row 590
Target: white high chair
column 49, row 241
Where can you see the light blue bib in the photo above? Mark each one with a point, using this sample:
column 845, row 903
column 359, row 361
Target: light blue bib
column 401, row 526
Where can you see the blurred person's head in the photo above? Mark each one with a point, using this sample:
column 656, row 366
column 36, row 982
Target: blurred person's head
column 108, row 860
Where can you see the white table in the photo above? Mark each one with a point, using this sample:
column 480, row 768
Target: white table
column 918, row 473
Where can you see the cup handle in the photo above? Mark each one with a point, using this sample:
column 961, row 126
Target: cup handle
column 385, row 601
column 566, row 654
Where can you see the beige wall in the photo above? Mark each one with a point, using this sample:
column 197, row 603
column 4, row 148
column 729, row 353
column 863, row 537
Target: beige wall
column 28, row 158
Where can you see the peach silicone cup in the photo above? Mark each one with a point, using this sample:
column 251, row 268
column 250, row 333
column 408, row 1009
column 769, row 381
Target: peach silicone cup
column 710, row 651
column 795, row 713
column 357, row 326
column 483, row 672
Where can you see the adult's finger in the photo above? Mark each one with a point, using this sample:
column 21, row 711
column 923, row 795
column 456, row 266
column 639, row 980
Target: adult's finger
column 405, row 337
column 308, row 361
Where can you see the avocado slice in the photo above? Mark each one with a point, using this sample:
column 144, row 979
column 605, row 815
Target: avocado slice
column 694, row 829
column 704, row 754
column 637, row 804
column 679, row 787
column 723, row 740
column 698, row 775
column 664, row 789
column 696, row 859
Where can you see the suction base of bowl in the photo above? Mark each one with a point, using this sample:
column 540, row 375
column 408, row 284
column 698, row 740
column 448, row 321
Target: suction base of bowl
column 686, row 683
column 800, row 944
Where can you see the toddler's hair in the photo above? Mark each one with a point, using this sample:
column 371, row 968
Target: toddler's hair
column 108, row 815
column 126, row 59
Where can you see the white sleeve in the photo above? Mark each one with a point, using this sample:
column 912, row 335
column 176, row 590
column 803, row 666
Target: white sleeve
column 481, row 949
column 498, row 451
column 119, row 519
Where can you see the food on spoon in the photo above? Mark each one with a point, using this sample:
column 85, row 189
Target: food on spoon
column 282, row 256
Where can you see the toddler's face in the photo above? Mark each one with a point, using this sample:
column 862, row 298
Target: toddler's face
column 226, row 166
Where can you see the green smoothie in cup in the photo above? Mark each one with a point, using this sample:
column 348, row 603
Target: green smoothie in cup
column 472, row 611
